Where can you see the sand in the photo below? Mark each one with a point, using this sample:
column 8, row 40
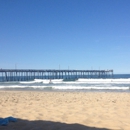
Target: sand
column 37, row 110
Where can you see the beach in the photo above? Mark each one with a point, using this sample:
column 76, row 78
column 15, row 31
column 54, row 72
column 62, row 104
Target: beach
column 39, row 110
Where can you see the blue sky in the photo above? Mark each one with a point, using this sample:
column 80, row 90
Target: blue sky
column 81, row 34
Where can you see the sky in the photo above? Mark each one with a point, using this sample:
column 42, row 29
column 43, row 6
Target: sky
column 62, row 34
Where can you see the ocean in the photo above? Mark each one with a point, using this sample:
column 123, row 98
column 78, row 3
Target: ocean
column 119, row 83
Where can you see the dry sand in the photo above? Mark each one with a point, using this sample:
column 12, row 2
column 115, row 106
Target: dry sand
column 65, row 110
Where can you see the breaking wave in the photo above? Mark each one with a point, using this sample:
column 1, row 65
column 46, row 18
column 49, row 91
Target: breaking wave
column 60, row 84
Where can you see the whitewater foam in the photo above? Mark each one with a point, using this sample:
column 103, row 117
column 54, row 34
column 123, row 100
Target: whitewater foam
column 80, row 84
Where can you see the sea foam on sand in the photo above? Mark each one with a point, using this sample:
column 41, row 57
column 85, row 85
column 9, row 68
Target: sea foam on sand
column 37, row 110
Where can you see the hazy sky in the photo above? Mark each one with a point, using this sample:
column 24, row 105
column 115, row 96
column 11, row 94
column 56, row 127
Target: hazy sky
column 81, row 34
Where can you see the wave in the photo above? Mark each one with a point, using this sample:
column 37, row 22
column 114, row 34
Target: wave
column 56, row 81
column 94, row 88
column 80, row 84
column 104, row 80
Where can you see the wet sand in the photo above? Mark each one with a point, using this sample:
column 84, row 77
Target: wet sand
column 37, row 110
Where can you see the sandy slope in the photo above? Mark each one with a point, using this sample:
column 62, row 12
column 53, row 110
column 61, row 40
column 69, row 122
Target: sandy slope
column 65, row 110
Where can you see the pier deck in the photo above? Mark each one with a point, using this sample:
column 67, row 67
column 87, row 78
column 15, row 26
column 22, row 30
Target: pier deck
column 31, row 74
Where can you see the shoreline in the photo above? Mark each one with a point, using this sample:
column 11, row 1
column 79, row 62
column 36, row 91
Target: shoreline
column 68, row 90
column 62, row 110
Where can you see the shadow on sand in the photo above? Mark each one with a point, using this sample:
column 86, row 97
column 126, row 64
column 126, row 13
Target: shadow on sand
column 45, row 125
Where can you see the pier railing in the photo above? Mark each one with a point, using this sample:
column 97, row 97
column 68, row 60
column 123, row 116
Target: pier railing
column 31, row 74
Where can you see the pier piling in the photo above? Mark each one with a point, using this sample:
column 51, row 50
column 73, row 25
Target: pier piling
column 31, row 74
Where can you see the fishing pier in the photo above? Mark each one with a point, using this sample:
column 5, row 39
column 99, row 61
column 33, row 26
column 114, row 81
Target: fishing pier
column 31, row 74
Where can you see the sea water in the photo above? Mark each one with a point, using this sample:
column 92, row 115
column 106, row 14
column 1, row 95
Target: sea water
column 119, row 82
